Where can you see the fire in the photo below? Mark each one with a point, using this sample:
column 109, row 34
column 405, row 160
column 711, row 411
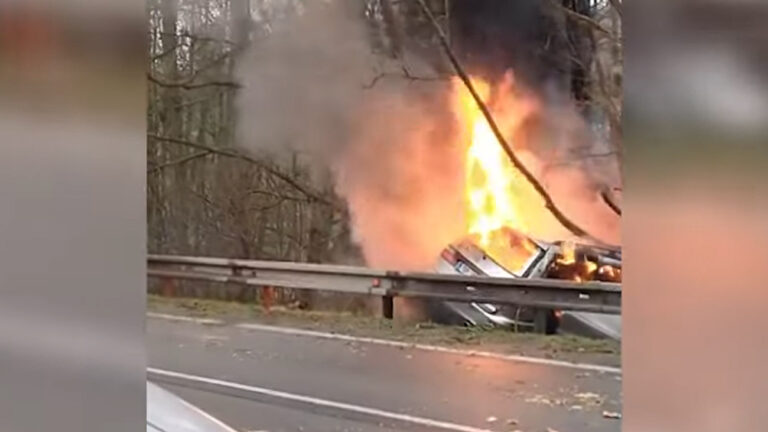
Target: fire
column 568, row 251
column 609, row 272
column 591, row 267
column 490, row 176
column 500, row 203
column 494, row 189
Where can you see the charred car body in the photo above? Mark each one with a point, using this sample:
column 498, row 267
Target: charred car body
column 532, row 259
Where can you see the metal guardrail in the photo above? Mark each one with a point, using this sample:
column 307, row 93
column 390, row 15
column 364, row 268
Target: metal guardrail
column 537, row 293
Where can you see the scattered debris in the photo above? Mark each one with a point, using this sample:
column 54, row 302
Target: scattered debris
column 491, row 419
column 512, row 421
column 539, row 399
column 549, row 429
column 589, row 398
column 575, row 408
column 611, row 415
column 214, row 341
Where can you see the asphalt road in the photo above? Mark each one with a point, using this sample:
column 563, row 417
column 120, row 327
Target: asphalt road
column 465, row 391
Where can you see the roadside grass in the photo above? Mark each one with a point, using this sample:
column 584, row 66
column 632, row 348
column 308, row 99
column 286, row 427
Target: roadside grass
column 561, row 347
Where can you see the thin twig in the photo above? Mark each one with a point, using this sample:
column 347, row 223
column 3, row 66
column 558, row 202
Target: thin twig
column 190, row 86
column 276, row 195
column 199, row 38
column 608, row 199
column 164, row 53
column 549, row 203
column 179, row 161
column 193, row 102
column 406, row 75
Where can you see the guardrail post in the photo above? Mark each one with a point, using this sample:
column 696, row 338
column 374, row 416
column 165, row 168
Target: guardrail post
column 388, row 306
column 540, row 320
column 168, row 287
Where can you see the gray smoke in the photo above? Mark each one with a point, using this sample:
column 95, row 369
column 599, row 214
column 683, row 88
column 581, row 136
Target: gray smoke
column 304, row 81
column 392, row 148
column 388, row 146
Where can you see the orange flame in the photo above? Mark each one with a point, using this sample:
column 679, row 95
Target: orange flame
column 608, row 271
column 489, row 176
column 495, row 191
column 500, row 203
column 568, row 253
column 591, row 267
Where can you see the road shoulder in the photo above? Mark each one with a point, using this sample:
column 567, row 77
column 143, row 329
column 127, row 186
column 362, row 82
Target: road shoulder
column 565, row 348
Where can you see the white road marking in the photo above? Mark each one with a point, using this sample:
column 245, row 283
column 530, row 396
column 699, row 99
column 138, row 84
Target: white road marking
column 185, row 318
column 319, row 402
column 398, row 344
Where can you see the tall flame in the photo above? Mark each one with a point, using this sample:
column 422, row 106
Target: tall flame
column 494, row 189
column 489, row 174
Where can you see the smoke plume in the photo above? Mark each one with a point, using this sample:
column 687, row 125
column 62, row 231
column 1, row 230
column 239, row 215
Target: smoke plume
column 394, row 147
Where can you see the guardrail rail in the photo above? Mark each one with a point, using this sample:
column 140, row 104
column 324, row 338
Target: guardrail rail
column 536, row 293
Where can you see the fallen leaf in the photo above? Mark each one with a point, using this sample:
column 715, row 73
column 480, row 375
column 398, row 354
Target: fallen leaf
column 611, row 415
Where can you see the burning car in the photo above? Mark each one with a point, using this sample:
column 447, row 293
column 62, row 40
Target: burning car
column 502, row 212
column 522, row 257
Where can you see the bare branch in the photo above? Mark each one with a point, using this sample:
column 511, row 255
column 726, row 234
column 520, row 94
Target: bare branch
column 550, row 204
column 608, row 199
column 276, row 195
column 189, row 103
column 191, row 86
column 406, row 74
column 191, row 36
column 237, row 155
column 164, row 53
column 179, row 161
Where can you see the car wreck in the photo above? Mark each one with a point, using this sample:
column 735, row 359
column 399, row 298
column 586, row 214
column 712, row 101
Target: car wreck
column 524, row 257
